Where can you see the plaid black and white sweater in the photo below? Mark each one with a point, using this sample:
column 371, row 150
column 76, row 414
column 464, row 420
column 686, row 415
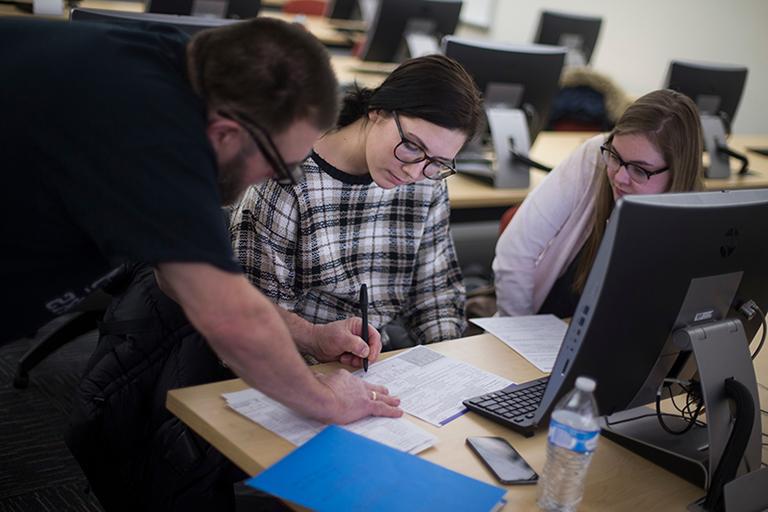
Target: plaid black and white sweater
column 309, row 247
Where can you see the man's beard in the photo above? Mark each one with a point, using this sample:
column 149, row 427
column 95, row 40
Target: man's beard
column 230, row 179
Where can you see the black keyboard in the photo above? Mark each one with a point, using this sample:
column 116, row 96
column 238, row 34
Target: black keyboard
column 514, row 408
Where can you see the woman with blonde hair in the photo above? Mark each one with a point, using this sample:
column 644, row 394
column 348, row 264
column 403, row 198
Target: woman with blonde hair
column 544, row 256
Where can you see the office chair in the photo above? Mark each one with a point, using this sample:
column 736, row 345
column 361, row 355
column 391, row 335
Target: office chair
column 60, row 331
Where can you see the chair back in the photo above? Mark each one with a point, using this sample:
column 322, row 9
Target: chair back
column 308, row 7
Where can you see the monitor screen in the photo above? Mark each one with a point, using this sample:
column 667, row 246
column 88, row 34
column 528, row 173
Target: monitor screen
column 716, row 88
column 186, row 24
column 236, row 9
column 396, row 19
column 666, row 261
column 344, row 9
column 576, row 32
column 532, row 70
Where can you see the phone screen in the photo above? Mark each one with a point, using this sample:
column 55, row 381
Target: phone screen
column 503, row 460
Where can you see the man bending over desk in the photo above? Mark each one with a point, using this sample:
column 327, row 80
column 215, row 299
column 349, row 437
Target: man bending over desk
column 121, row 145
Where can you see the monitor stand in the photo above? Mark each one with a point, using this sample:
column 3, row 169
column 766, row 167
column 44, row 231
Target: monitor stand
column 721, row 351
column 714, row 138
column 420, row 44
column 509, row 131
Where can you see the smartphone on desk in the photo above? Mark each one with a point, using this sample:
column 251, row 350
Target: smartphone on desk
column 502, row 459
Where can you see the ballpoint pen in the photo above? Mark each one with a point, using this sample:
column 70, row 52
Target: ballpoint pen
column 364, row 315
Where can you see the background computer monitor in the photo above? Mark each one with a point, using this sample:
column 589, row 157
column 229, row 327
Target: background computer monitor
column 576, row 32
column 186, row 24
column 397, row 19
column 652, row 250
column 344, row 9
column 438, row 17
column 533, row 71
column 716, row 88
column 235, row 9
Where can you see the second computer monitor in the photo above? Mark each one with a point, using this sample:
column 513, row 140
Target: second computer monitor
column 576, row 32
column 533, row 71
column 716, row 88
column 395, row 19
column 234, row 9
column 344, row 9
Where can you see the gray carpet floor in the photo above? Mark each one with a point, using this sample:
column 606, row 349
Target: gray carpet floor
column 37, row 472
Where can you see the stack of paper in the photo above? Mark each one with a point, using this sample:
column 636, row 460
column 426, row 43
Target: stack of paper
column 338, row 470
column 537, row 337
column 432, row 386
column 398, row 433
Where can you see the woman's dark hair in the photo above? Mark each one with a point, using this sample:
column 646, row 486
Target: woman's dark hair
column 434, row 88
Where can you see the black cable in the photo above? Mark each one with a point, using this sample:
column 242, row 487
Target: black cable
column 672, row 398
column 690, row 417
column 733, row 453
column 762, row 338
column 749, row 309
column 741, row 157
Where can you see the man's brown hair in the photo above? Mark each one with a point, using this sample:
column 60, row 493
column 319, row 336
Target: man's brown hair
column 274, row 72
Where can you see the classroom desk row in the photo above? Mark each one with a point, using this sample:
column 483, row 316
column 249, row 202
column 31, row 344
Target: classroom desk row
column 335, row 33
column 618, row 479
column 472, row 199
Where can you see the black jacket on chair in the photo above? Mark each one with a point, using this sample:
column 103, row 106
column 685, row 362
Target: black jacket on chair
column 135, row 453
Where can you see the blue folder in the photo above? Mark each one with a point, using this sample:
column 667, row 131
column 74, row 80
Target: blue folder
column 338, row 470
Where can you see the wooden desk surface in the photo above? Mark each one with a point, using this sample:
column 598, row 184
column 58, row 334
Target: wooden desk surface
column 368, row 74
column 552, row 147
column 618, row 479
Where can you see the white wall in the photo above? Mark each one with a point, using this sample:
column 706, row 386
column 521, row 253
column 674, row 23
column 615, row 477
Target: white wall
column 639, row 38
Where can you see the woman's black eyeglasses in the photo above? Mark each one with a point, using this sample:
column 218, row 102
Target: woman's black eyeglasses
column 638, row 174
column 287, row 174
column 409, row 152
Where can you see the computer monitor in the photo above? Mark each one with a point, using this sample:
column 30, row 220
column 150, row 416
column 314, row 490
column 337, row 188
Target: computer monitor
column 716, row 88
column 344, row 10
column 531, row 71
column 235, row 9
column 186, row 24
column 409, row 28
column 438, row 17
column 666, row 262
column 576, row 32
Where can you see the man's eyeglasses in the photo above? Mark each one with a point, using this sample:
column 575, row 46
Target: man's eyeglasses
column 287, row 174
column 409, row 152
column 638, row 174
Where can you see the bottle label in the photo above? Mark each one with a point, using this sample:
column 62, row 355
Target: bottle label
column 572, row 439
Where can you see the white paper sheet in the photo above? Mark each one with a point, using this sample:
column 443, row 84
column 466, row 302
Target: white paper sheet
column 537, row 337
column 397, row 433
column 432, row 386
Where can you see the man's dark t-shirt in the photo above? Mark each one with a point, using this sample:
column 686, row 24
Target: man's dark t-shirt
column 105, row 159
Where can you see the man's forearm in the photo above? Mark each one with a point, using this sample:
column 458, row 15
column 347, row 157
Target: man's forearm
column 302, row 331
column 247, row 332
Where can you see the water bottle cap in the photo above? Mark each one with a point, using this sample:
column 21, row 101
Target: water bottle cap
column 585, row 384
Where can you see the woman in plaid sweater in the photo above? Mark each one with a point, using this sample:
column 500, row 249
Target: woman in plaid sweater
column 372, row 208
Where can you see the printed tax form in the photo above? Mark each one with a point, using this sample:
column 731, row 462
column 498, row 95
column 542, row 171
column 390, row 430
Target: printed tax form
column 535, row 337
column 398, row 433
column 432, row 386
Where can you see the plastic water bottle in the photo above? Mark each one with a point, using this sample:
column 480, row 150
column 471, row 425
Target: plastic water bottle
column 573, row 433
